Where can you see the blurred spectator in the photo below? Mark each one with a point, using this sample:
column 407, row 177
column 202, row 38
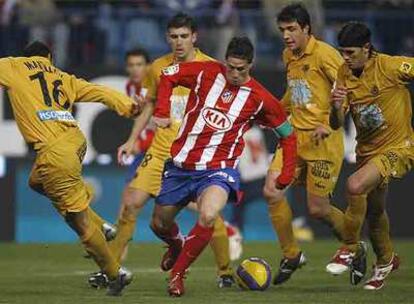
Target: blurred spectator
column 224, row 24
column 7, row 11
column 191, row 7
column 45, row 23
column 108, row 24
column 101, row 31
column 315, row 8
column 144, row 28
column 87, row 43
column 249, row 18
column 12, row 35
column 407, row 46
column 393, row 21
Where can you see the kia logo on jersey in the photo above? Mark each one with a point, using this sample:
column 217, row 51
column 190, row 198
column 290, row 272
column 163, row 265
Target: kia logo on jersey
column 216, row 119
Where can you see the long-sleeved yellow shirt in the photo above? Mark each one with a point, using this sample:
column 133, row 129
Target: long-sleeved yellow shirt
column 380, row 103
column 42, row 97
column 310, row 79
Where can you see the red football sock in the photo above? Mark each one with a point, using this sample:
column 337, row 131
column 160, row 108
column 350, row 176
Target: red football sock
column 195, row 242
column 172, row 237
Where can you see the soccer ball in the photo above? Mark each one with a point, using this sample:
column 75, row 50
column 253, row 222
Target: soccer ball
column 253, row 274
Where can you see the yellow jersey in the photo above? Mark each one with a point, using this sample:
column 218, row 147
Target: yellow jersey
column 164, row 138
column 310, row 78
column 380, row 103
column 42, row 97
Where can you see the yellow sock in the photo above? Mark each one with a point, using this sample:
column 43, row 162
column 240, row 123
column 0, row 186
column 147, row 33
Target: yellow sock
column 125, row 231
column 281, row 217
column 219, row 243
column 95, row 244
column 95, row 218
column 354, row 220
column 335, row 219
column 379, row 233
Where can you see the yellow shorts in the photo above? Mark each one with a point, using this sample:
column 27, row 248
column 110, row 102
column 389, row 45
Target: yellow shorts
column 149, row 174
column 319, row 164
column 57, row 173
column 394, row 163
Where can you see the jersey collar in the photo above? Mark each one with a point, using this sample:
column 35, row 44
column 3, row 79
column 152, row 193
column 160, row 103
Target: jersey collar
column 310, row 46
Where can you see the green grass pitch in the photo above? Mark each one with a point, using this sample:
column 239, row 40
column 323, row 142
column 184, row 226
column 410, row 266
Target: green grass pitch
column 57, row 274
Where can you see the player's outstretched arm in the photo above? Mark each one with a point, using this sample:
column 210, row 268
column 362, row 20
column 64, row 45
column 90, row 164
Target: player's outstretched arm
column 89, row 92
column 140, row 123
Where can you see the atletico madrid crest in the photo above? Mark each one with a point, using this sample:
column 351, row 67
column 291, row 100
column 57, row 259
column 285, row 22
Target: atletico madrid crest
column 227, row 96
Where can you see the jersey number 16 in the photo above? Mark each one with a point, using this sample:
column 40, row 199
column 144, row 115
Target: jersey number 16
column 40, row 76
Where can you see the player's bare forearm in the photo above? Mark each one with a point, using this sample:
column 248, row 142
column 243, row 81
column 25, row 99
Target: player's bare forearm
column 336, row 117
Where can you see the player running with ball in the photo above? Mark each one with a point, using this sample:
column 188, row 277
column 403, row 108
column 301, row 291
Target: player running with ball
column 224, row 102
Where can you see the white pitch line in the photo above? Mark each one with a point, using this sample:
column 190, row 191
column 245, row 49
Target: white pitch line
column 138, row 270
column 149, row 270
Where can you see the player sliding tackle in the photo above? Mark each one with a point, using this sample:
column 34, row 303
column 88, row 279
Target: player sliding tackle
column 42, row 98
column 206, row 150
column 372, row 86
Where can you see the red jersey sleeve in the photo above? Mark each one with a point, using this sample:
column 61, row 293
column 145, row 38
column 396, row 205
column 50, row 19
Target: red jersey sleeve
column 272, row 115
column 181, row 74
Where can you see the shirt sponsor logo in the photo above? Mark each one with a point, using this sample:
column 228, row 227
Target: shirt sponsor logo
column 301, row 92
column 171, row 70
column 368, row 118
column 216, row 120
column 47, row 115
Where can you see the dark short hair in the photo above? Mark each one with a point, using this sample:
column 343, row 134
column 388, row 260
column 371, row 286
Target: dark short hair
column 182, row 20
column 37, row 48
column 240, row 47
column 295, row 12
column 139, row 52
column 354, row 34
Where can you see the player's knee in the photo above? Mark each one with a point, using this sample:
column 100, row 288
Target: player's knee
column 355, row 186
column 132, row 202
column 318, row 207
column 207, row 218
column 159, row 225
column 155, row 224
column 272, row 197
column 317, row 212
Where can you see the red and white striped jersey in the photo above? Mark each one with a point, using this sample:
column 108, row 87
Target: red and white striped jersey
column 144, row 139
column 216, row 116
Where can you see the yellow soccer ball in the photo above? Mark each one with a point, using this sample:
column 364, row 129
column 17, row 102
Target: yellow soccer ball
column 253, row 274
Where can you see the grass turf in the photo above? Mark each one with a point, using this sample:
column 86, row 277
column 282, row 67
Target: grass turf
column 39, row 273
